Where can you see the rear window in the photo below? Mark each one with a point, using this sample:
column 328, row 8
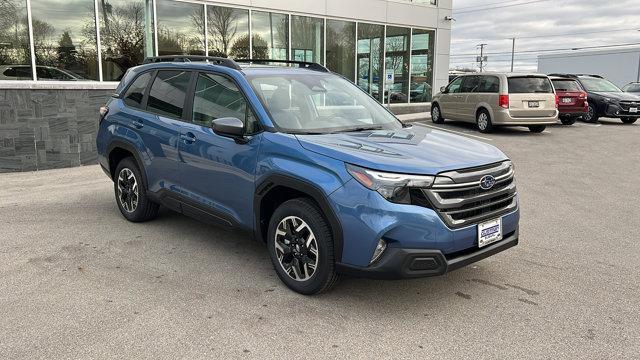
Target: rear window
column 529, row 85
column 566, row 85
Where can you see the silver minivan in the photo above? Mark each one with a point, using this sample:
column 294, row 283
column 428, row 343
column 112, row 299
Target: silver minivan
column 498, row 99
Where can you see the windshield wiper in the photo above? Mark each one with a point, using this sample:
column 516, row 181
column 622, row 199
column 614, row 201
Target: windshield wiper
column 363, row 128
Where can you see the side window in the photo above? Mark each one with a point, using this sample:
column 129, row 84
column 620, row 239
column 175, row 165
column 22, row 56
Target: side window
column 168, row 92
column 489, row 84
column 470, row 84
column 454, row 87
column 217, row 97
column 135, row 93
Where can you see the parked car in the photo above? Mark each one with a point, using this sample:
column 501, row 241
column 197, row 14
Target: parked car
column 633, row 88
column 572, row 99
column 498, row 99
column 345, row 188
column 606, row 99
column 23, row 72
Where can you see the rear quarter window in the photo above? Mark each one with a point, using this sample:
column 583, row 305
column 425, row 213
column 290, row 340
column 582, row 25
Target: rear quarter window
column 135, row 93
column 529, row 85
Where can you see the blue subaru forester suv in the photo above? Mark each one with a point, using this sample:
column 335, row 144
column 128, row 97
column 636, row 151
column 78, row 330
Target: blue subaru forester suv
column 308, row 163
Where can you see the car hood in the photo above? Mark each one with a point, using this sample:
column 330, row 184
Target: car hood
column 412, row 150
column 619, row 96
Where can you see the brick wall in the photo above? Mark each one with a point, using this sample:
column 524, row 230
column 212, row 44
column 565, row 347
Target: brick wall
column 48, row 128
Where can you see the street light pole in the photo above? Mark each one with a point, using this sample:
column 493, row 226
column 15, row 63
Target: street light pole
column 482, row 56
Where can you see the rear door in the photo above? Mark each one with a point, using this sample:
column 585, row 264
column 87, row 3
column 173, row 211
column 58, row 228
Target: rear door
column 217, row 172
column 531, row 97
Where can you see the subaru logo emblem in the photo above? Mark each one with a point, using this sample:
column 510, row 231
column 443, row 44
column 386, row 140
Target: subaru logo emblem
column 487, row 182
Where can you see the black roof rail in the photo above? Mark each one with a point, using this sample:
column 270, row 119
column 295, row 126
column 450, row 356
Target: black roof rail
column 572, row 76
column 193, row 58
column 301, row 64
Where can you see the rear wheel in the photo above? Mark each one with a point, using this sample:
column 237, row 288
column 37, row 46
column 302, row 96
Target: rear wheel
column 131, row 193
column 628, row 120
column 537, row 128
column 592, row 115
column 568, row 120
column 436, row 115
column 301, row 247
column 483, row 121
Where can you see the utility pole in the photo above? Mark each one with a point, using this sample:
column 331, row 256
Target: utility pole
column 481, row 59
column 513, row 51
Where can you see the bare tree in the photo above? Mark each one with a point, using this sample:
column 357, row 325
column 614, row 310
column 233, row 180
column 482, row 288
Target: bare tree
column 223, row 27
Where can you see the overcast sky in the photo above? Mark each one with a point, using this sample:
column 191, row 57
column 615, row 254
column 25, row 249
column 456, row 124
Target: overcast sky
column 496, row 26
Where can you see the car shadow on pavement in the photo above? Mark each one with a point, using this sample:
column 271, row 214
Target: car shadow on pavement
column 471, row 129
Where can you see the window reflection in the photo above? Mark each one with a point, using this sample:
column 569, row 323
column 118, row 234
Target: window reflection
column 341, row 38
column 123, row 38
column 15, row 55
column 370, row 58
column 228, row 32
column 421, row 65
column 397, row 58
column 307, row 39
column 64, row 35
column 180, row 28
column 270, row 35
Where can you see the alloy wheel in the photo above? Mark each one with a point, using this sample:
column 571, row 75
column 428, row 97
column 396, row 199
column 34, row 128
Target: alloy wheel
column 435, row 113
column 483, row 121
column 128, row 190
column 296, row 248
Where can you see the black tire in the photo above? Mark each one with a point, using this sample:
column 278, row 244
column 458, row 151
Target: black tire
column 568, row 120
column 324, row 276
column 592, row 115
column 484, row 126
column 145, row 209
column 537, row 128
column 436, row 114
column 628, row 120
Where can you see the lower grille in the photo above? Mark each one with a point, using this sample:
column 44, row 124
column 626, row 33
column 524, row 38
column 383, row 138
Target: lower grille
column 460, row 200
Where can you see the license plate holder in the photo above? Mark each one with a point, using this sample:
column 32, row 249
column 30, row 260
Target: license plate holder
column 534, row 104
column 566, row 100
column 633, row 110
column 489, row 232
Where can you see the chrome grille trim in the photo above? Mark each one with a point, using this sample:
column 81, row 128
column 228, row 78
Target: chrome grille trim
column 461, row 202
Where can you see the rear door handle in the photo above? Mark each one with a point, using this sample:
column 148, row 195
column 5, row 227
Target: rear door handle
column 137, row 124
column 188, row 138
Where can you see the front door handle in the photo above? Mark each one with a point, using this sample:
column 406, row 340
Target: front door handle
column 188, row 138
column 138, row 124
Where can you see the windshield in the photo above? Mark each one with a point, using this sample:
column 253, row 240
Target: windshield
column 632, row 88
column 319, row 103
column 599, row 85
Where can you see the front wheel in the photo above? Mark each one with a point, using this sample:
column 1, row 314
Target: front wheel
column 436, row 115
column 628, row 120
column 537, row 128
column 301, row 247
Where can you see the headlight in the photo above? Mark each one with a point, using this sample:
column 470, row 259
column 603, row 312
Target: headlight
column 392, row 186
column 611, row 101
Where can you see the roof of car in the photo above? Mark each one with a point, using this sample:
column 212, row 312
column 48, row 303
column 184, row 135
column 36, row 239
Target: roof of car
column 507, row 74
column 245, row 68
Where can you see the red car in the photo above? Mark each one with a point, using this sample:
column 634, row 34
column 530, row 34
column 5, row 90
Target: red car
column 572, row 99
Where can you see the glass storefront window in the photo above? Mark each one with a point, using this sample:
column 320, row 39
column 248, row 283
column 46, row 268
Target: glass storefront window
column 123, row 38
column 270, row 35
column 307, row 39
column 421, row 65
column 15, row 53
column 341, row 43
column 370, row 48
column 180, row 28
column 228, row 32
column 64, row 35
column 397, row 58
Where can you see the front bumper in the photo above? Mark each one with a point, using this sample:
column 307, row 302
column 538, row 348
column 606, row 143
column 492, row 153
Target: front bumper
column 617, row 111
column 400, row 263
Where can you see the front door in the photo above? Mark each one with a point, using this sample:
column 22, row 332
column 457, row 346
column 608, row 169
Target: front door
column 217, row 172
column 450, row 101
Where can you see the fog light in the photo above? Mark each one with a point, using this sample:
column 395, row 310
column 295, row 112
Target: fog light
column 382, row 245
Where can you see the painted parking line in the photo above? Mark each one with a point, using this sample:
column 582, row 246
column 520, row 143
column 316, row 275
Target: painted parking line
column 455, row 132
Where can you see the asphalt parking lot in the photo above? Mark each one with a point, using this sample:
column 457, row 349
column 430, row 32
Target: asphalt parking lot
column 78, row 281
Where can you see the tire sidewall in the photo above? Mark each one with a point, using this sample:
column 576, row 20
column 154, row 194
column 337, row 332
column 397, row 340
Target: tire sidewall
column 321, row 231
column 436, row 119
column 594, row 117
column 489, row 126
column 138, row 214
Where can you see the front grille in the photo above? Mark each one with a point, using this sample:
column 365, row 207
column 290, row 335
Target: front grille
column 626, row 105
column 460, row 201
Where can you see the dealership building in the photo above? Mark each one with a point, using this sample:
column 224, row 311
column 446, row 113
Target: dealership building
column 60, row 60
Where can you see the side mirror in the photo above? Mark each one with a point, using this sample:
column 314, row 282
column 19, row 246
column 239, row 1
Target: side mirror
column 443, row 89
column 228, row 126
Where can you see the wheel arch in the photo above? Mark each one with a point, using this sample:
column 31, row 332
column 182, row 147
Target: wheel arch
column 277, row 188
column 118, row 150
